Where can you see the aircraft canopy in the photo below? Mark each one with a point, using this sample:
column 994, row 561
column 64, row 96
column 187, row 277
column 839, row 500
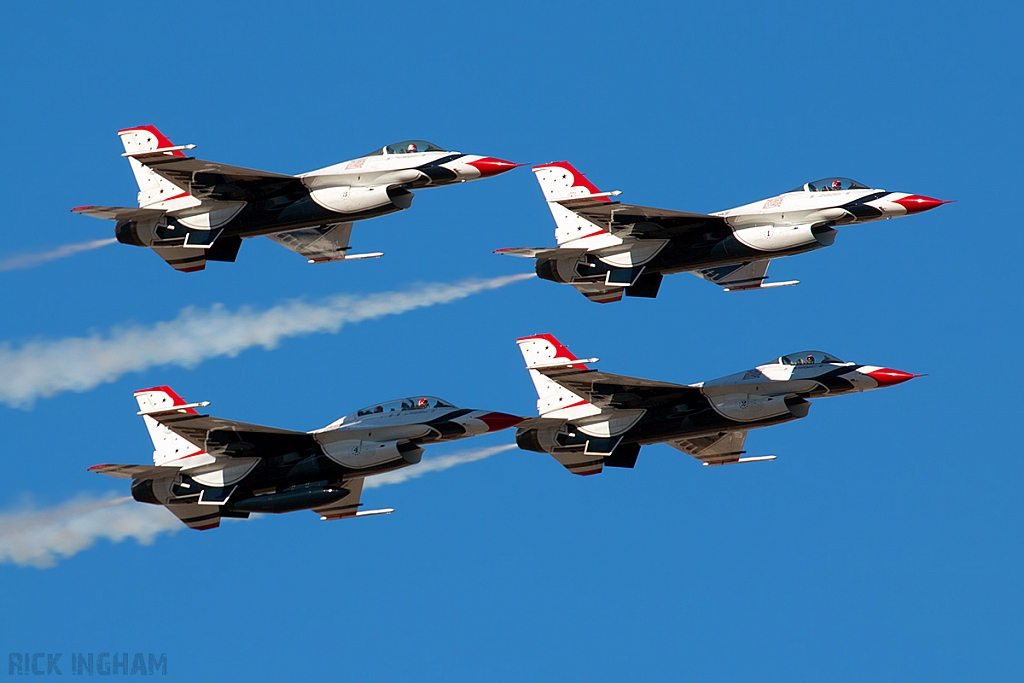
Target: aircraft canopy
column 408, row 147
column 403, row 404
column 831, row 185
column 808, row 358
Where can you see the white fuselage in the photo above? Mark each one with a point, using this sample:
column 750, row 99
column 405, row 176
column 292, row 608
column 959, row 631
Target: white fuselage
column 762, row 393
column 794, row 208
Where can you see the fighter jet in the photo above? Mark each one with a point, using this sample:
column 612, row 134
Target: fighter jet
column 207, row 468
column 607, row 249
column 589, row 419
column 193, row 211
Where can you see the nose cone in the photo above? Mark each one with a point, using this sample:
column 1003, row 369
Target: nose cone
column 915, row 203
column 887, row 377
column 497, row 421
column 489, row 166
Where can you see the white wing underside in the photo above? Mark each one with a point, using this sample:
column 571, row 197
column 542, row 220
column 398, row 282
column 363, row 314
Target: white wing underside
column 347, row 506
column 740, row 277
column 724, row 448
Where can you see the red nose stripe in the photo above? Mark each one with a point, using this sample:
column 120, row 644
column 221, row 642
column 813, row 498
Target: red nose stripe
column 915, row 203
column 887, row 376
column 491, row 166
column 497, row 421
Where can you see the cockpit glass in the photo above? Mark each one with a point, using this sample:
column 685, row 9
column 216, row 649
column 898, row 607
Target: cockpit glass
column 407, row 147
column 403, row 404
column 809, row 358
column 831, row 185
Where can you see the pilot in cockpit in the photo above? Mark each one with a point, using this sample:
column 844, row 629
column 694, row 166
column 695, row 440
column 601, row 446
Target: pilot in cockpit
column 411, row 149
column 837, row 185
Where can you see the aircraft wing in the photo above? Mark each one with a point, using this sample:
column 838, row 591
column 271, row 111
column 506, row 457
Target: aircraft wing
column 740, row 277
column 118, row 213
column 220, row 437
column 725, row 448
column 322, row 244
column 618, row 391
column 651, row 223
column 221, row 182
column 348, row 506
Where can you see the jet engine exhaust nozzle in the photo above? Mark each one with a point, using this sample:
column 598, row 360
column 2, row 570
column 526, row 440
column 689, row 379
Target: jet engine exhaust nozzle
column 127, row 232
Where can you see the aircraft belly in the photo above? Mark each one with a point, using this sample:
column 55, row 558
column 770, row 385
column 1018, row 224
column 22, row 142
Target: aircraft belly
column 266, row 218
column 760, row 387
column 376, row 433
column 749, row 408
column 655, row 429
column 685, row 261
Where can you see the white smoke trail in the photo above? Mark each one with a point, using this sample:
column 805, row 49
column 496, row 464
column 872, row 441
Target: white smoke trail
column 38, row 538
column 438, row 464
column 22, row 261
column 40, row 369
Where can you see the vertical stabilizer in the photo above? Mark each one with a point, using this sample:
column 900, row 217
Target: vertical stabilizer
column 544, row 356
column 168, row 446
column 560, row 181
column 154, row 189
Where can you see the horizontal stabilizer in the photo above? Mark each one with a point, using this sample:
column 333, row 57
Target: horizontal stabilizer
column 118, row 213
column 541, row 252
column 525, row 252
column 600, row 293
column 197, row 516
column 580, row 464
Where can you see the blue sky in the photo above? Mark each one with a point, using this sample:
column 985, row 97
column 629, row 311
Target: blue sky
column 884, row 541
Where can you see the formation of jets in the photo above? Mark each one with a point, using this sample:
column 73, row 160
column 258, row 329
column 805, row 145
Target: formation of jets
column 192, row 211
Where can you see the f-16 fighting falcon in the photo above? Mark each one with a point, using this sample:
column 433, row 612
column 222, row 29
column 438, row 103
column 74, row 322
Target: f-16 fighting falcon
column 589, row 419
column 193, row 211
column 607, row 249
column 207, row 468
